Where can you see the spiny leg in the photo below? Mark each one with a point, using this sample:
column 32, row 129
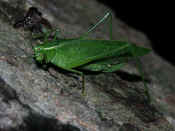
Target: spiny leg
column 46, row 34
column 105, row 17
column 139, row 67
column 83, row 81
column 57, row 31
column 80, row 73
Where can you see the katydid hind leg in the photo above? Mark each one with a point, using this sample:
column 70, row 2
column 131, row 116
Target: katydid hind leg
column 139, row 67
column 140, row 70
column 105, row 17
column 110, row 26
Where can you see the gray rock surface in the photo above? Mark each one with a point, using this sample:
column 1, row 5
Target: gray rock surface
column 33, row 99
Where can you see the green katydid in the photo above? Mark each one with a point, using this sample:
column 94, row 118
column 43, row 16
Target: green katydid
column 92, row 55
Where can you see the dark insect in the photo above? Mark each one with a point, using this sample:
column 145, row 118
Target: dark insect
column 33, row 21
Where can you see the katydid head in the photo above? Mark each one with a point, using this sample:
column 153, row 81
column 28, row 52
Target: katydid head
column 41, row 51
column 38, row 53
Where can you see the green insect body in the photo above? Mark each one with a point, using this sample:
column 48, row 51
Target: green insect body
column 100, row 54
column 91, row 55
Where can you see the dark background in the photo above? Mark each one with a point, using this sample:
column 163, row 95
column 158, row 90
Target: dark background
column 153, row 19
